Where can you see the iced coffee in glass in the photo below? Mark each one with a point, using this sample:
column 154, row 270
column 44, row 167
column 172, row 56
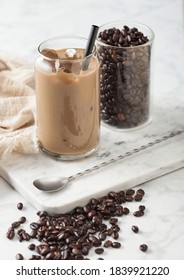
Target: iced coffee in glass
column 67, row 98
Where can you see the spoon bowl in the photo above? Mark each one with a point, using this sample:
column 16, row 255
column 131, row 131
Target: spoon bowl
column 51, row 184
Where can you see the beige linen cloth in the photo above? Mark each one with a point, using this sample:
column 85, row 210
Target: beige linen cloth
column 17, row 107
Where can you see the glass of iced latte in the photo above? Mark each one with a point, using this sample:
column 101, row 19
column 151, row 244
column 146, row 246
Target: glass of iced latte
column 67, row 98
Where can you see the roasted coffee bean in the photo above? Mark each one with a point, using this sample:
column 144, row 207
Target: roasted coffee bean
column 33, row 233
column 107, row 243
column 22, row 219
column 20, row 238
column 43, row 249
column 94, row 201
column 115, row 235
column 50, row 256
column 31, row 246
column 138, row 197
column 115, row 228
column 76, row 251
column 16, row 224
column 112, row 194
column 20, row 206
column 130, row 192
column 99, row 251
column 129, row 198
column 10, row 233
column 138, row 213
column 19, row 256
column 135, row 229
column 116, row 244
column 25, row 236
column 64, row 255
column 95, row 241
column 142, row 208
column 102, row 227
column 20, row 231
column 140, row 192
column 109, row 231
column 42, row 221
column 113, row 221
column 96, row 220
column 143, row 247
column 126, row 211
column 91, row 231
column 86, row 208
column 85, row 251
column 35, row 257
column 119, row 211
column 34, row 226
column 91, row 214
column 42, row 213
column 102, row 236
column 79, row 257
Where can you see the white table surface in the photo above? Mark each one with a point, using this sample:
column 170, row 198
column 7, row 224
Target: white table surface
column 23, row 25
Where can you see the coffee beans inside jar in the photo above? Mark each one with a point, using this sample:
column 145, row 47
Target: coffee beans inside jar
column 125, row 58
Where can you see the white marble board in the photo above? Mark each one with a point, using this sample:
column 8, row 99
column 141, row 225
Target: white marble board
column 20, row 170
column 127, row 173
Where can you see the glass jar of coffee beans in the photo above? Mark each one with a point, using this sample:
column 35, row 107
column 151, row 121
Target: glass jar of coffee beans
column 124, row 51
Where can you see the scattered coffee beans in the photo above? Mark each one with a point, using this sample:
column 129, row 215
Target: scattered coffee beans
column 116, row 245
column 142, row 208
column 137, row 197
column 19, row 257
column 138, row 213
column 10, row 233
column 23, row 235
column 72, row 235
column 135, row 229
column 113, row 221
column 16, row 224
column 130, row 192
column 126, row 211
column 102, row 236
column 140, row 192
column 99, row 251
column 107, row 243
column 22, row 220
column 143, row 247
column 31, row 246
column 20, row 206
column 125, row 76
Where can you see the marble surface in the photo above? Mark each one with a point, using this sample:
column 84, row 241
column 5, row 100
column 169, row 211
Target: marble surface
column 24, row 24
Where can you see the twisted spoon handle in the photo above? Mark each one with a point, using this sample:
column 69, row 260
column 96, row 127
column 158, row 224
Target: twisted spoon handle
column 125, row 155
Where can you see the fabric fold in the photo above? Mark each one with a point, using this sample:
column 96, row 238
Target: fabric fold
column 17, row 107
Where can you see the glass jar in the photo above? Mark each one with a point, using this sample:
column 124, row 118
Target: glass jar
column 124, row 50
column 67, row 98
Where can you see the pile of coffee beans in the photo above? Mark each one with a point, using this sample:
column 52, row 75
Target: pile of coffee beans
column 72, row 235
column 125, row 77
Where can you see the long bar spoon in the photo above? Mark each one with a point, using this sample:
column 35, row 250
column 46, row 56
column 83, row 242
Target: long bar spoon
column 52, row 184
